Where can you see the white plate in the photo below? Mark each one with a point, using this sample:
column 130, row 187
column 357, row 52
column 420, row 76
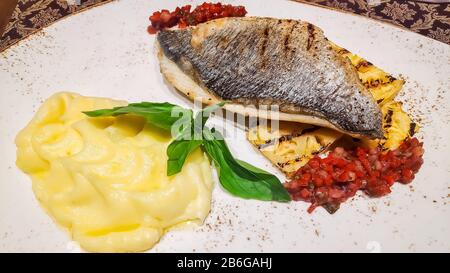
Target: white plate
column 106, row 51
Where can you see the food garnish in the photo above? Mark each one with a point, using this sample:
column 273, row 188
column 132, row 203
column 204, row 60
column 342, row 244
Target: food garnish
column 189, row 139
column 330, row 181
column 237, row 177
column 183, row 16
column 158, row 114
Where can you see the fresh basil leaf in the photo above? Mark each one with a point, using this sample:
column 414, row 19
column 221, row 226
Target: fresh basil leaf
column 162, row 115
column 179, row 149
column 242, row 179
column 189, row 140
column 177, row 153
column 251, row 167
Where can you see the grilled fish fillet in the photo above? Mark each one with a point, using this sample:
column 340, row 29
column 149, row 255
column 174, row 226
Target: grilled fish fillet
column 265, row 61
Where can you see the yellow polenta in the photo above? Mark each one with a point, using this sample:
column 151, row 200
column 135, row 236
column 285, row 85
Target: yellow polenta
column 104, row 179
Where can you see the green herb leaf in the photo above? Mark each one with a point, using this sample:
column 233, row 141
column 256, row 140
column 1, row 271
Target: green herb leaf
column 162, row 115
column 179, row 149
column 240, row 178
column 251, row 167
column 177, row 153
column 189, row 140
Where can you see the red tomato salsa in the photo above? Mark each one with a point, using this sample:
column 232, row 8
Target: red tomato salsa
column 330, row 181
column 184, row 17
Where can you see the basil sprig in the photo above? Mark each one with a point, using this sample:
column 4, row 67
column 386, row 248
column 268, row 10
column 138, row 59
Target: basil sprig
column 189, row 140
column 162, row 115
column 179, row 149
column 237, row 177
column 240, row 178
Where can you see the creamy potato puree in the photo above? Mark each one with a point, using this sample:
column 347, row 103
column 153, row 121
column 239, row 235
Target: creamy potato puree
column 104, row 179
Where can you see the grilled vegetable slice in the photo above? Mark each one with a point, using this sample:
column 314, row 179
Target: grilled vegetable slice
column 384, row 87
column 292, row 144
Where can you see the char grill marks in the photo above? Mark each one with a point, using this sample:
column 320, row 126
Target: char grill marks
column 264, row 41
column 310, row 36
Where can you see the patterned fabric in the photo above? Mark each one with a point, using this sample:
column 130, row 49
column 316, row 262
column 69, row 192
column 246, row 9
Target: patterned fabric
column 429, row 19
column 432, row 20
column 31, row 15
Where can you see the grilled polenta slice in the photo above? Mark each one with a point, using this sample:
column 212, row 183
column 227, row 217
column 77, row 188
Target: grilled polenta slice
column 397, row 126
column 290, row 146
column 383, row 86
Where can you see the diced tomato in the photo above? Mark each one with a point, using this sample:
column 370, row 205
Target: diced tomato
column 304, row 193
column 318, row 182
column 334, row 179
column 314, row 162
column 151, row 30
column 183, row 16
column 165, row 16
column 407, row 176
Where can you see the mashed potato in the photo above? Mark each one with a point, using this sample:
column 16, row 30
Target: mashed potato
column 104, row 179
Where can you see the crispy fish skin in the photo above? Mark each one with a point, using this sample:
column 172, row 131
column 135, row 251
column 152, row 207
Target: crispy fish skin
column 267, row 61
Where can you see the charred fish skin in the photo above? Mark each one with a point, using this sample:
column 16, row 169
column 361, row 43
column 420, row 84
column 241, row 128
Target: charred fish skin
column 263, row 61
